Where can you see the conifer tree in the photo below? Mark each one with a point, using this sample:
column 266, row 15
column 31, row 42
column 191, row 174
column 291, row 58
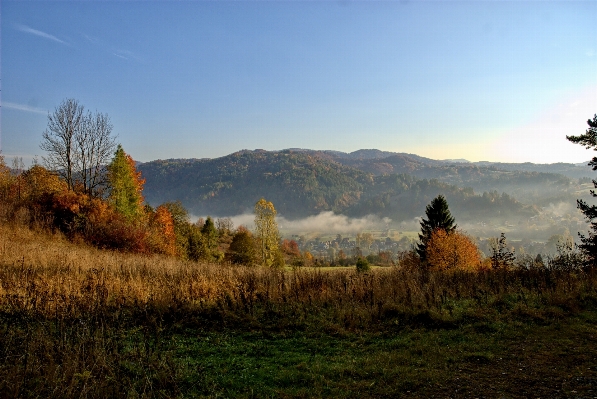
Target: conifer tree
column 126, row 185
column 589, row 140
column 210, row 240
column 438, row 217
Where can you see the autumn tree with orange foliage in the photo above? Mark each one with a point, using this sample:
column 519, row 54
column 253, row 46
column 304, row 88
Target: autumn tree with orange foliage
column 163, row 237
column 290, row 248
column 452, row 251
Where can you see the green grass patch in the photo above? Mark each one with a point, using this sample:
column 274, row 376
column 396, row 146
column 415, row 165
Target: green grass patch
column 512, row 359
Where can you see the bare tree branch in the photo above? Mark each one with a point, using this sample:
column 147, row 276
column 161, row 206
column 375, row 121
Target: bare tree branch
column 78, row 146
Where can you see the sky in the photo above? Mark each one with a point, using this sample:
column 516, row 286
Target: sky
column 483, row 81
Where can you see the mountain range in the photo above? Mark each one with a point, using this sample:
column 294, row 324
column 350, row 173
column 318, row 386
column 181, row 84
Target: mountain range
column 302, row 182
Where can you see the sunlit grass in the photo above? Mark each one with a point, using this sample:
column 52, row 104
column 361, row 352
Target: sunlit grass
column 77, row 321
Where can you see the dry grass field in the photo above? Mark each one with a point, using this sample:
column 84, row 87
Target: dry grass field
column 76, row 321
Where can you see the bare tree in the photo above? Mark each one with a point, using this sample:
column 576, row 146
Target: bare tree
column 58, row 139
column 94, row 147
column 78, row 145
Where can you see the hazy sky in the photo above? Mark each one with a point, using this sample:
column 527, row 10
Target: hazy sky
column 491, row 80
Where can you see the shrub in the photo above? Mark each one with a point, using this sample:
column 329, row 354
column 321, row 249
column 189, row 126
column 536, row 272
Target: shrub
column 363, row 265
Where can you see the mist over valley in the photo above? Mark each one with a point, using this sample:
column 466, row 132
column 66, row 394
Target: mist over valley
column 324, row 193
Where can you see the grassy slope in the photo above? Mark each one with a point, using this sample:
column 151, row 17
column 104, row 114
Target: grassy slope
column 60, row 336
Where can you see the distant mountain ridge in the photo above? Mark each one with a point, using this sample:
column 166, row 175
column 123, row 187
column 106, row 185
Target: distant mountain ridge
column 377, row 161
column 302, row 182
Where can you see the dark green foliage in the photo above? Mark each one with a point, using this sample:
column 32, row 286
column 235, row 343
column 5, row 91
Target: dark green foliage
column 195, row 243
column 438, row 217
column 589, row 141
column 210, row 239
column 363, row 265
column 527, row 182
column 374, row 259
column 242, row 248
column 278, row 259
column 210, row 233
column 299, row 184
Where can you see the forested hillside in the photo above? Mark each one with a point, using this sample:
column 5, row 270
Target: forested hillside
column 538, row 184
column 303, row 182
column 299, row 184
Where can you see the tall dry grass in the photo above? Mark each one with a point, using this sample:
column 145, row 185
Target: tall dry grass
column 46, row 276
column 76, row 321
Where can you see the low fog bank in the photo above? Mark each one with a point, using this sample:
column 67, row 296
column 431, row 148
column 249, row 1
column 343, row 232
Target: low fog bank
column 325, row 222
column 558, row 218
column 329, row 222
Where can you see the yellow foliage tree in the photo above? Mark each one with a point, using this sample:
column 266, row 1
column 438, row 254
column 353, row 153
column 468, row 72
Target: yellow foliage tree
column 266, row 232
column 40, row 181
column 308, row 258
column 5, row 179
column 452, row 251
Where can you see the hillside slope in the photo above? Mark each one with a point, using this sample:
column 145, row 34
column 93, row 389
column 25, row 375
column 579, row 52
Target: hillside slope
column 302, row 183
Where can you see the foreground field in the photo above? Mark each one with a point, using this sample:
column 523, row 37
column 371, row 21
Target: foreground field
column 79, row 322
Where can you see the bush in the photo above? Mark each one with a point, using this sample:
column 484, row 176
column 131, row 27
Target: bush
column 363, row 265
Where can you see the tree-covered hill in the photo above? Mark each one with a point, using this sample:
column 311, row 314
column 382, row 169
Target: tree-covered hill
column 539, row 184
column 302, row 183
column 298, row 183
column 402, row 197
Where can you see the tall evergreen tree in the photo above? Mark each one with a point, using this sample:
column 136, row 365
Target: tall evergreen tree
column 438, row 217
column 210, row 240
column 589, row 140
column 126, row 185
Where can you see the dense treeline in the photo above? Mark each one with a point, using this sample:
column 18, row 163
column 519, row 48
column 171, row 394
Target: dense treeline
column 532, row 184
column 121, row 220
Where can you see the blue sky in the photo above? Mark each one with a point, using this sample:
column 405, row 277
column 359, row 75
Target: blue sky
column 493, row 80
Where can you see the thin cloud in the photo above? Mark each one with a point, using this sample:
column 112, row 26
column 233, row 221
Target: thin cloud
column 27, row 29
column 126, row 55
column 91, row 39
column 23, row 107
column 122, row 54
